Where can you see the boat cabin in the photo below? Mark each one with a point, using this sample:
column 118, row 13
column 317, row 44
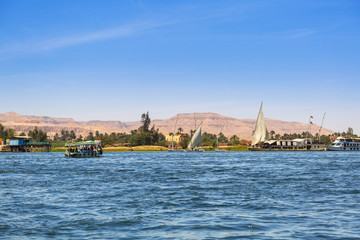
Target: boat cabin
column 83, row 149
column 295, row 144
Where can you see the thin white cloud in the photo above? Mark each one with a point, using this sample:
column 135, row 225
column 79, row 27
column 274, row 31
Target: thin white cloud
column 280, row 35
column 120, row 32
column 36, row 46
column 298, row 33
column 32, row 47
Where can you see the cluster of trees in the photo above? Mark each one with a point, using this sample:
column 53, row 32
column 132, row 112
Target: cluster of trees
column 107, row 139
column 323, row 138
column 6, row 133
column 291, row 136
column 65, row 136
column 146, row 136
column 209, row 139
column 348, row 133
column 37, row 135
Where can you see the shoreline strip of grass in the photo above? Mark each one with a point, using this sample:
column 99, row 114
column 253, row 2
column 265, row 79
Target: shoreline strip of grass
column 156, row 149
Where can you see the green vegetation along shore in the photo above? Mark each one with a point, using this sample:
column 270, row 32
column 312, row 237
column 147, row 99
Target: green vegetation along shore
column 156, row 148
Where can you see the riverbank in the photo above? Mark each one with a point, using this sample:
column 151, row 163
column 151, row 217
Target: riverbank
column 155, row 149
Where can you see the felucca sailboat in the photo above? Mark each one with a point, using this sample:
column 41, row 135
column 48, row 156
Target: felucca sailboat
column 195, row 141
column 260, row 133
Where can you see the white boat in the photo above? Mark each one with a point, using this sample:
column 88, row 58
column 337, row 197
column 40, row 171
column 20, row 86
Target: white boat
column 290, row 145
column 195, row 141
column 260, row 133
column 345, row 144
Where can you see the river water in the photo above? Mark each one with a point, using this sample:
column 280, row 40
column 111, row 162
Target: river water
column 161, row 195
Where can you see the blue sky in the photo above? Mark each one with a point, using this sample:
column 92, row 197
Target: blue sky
column 114, row 60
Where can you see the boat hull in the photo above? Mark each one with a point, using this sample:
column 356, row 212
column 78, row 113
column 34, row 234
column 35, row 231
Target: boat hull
column 341, row 149
column 74, row 155
column 284, row 150
column 196, row 150
column 259, row 149
column 220, row 150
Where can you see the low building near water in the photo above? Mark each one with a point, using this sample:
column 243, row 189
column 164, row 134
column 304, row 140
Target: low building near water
column 177, row 138
column 24, row 144
column 291, row 145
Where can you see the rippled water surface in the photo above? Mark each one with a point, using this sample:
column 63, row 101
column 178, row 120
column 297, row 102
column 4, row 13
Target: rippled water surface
column 213, row 195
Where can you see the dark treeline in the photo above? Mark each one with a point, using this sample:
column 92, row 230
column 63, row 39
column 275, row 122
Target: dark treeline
column 349, row 133
column 291, row 136
column 144, row 135
column 37, row 135
column 323, row 138
column 66, row 136
column 6, row 133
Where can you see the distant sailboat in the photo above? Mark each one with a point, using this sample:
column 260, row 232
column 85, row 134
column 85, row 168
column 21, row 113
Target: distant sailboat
column 217, row 142
column 172, row 139
column 195, row 141
column 260, row 133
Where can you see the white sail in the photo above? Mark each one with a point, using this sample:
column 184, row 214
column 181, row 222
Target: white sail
column 260, row 134
column 196, row 139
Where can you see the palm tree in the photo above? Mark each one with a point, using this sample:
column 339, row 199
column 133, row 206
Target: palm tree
column 180, row 130
column 272, row 134
column 11, row 132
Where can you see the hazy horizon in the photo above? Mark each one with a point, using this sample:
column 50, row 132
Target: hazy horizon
column 114, row 60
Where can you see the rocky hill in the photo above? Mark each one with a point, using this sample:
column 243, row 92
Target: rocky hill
column 212, row 123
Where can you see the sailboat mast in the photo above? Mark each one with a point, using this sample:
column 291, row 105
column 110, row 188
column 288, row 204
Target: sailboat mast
column 217, row 139
column 309, row 129
column 195, row 121
column 172, row 139
column 310, row 123
column 322, row 122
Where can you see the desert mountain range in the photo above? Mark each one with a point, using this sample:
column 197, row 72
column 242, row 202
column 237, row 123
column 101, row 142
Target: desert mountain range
column 212, row 123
